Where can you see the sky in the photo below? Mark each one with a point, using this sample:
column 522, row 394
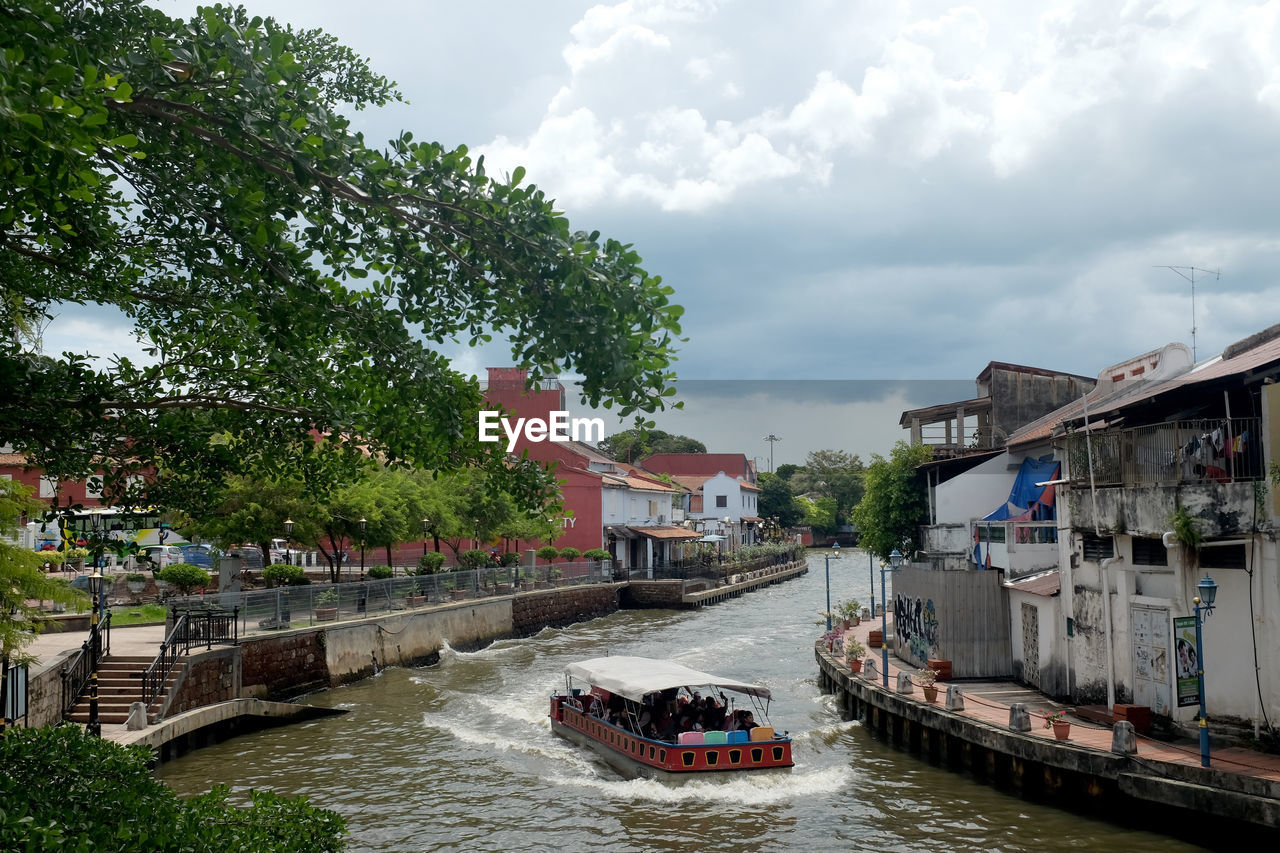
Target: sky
column 869, row 190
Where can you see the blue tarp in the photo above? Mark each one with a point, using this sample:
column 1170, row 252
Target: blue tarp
column 1027, row 500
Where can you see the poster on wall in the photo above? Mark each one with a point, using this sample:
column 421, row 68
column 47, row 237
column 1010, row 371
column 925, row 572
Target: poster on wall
column 1184, row 642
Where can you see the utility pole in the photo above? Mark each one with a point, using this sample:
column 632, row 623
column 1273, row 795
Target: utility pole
column 771, row 438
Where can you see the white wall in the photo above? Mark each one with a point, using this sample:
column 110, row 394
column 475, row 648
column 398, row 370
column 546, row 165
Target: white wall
column 978, row 491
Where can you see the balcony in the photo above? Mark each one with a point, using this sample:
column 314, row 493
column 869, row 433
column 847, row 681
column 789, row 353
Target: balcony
column 1019, row 547
column 1142, row 475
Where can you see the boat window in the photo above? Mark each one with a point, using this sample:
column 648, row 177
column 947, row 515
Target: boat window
column 777, row 753
column 713, row 757
column 757, row 755
column 651, row 753
column 735, row 756
column 687, row 758
column 662, row 756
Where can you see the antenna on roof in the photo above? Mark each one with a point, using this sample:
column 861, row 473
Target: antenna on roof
column 1183, row 271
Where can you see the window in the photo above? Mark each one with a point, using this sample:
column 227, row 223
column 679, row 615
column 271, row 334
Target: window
column 653, row 508
column 48, row 487
column 1149, row 552
column 1224, row 557
column 1098, row 548
column 722, row 500
column 757, row 755
column 777, row 753
column 686, row 758
column 713, row 757
column 735, row 756
column 662, row 756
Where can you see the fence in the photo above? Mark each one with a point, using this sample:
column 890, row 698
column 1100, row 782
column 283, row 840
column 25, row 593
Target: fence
column 309, row 604
column 1220, row 450
column 203, row 627
column 724, row 566
column 78, row 670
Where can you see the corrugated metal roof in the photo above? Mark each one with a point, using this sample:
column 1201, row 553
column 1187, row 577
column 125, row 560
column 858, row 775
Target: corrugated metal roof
column 1048, row 584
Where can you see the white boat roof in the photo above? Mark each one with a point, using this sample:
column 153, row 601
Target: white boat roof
column 634, row 677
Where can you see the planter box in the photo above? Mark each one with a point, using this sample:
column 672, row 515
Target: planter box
column 326, row 614
column 875, row 639
column 942, row 667
column 415, row 600
column 458, row 594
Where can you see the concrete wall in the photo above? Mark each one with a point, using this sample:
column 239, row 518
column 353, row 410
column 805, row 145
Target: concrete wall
column 978, row 491
column 1019, row 398
column 962, row 617
column 1223, row 509
column 1037, row 659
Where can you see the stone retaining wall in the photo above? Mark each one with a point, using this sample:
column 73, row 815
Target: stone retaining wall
column 556, row 608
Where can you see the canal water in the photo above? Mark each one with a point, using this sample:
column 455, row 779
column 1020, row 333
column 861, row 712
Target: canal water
column 459, row 756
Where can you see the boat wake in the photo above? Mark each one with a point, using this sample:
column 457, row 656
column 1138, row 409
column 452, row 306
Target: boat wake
column 760, row 789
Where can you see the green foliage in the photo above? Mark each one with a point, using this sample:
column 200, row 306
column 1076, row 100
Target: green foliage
column 185, row 578
column 832, row 474
column 380, row 573
column 198, row 178
column 327, row 597
column 596, row 554
column 895, row 503
column 548, row 553
column 778, row 501
column 135, row 577
column 281, row 574
column 820, row 514
column 476, row 558
column 508, row 559
column 787, row 470
column 570, row 553
column 22, row 583
column 63, row 789
column 141, row 615
column 430, row 563
column 632, row 445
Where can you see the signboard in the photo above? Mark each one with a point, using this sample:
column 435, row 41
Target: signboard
column 1184, row 643
column 13, row 687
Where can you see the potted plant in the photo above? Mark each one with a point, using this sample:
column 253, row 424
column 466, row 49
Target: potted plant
column 849, row 612
column 1057, row 720
column 854, row 651
column 381, row 573
column 598, row 555
column 185, row 577
column 926, row 678
column 136, row 582
column 326, row 605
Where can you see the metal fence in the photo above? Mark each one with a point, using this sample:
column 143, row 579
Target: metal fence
column 78, row 669
column 311, row 604
column 1222, row 450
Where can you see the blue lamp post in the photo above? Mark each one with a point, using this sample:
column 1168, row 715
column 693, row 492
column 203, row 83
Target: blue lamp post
column 871, row 570
column 1203, row 606
column 827, row 559
column 895, row 561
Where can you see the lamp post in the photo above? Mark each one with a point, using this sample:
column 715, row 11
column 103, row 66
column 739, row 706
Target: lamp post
column 1203, row 607
column 95, row 589
column 771, row 438
column 364, row 525
column 895, row 561
column 426, row 528
column 288, row 536
column 871, row 570
column 827, row 561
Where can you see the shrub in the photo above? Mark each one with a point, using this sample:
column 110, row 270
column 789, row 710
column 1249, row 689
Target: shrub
column 597, row 554
column 135, row 577
column 52, row 803
column 548, row 552
column 381, row 573
column 510, row 558
column 430, row 563
column 570, row 553
column 186, row 578
column 475, row 558
column 328, row 597
column 281, row 574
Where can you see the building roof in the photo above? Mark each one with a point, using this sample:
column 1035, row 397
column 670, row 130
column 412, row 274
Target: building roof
column 993, row 366
column 667, row 532
column 1047, row 584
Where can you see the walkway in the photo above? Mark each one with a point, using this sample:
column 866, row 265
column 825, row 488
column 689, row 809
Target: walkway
column 989, row 702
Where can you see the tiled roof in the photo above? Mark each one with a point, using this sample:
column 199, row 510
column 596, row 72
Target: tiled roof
column 1047, row 584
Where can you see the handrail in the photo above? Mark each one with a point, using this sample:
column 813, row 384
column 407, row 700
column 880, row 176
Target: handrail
column 155, row 675
column 190, row 629
column 77, row 671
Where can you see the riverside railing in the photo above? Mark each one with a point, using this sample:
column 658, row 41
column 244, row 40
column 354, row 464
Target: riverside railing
column 77, row 671
column 310, row 604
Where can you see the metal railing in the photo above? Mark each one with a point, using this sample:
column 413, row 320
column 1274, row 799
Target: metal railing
column 75, row 674
column 309, row 604
column 203, row 627
column 1221, row 450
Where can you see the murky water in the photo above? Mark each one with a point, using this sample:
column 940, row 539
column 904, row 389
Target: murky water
column 459, row 756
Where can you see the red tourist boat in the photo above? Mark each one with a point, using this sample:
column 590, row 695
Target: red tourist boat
column 623, row 702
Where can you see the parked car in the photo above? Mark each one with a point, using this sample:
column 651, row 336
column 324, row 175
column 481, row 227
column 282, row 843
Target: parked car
column 251, row 555
column 204, row 556
column 160, row 556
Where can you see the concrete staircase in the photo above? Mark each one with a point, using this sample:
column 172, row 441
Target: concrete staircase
column 119, row 686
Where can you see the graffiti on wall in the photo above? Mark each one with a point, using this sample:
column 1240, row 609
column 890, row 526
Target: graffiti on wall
column 916, row 623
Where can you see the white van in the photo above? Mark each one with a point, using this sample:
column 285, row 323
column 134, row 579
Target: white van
column 161, row 556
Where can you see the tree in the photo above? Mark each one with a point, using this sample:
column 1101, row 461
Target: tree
column 632, row 445
column 22, row 580
column 895, row 503
column 834, row 474
column 64, row 789
column 777, row 501
column 787, row 470
column 287, row 278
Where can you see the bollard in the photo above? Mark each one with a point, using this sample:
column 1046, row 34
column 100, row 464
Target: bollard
column 904, row 683
column 1019, row 719
column 1124, row 740
column 869, row 670
column 137, row 717
column 955, row 699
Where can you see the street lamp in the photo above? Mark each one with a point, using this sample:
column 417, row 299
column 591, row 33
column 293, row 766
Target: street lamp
column 288, row 535
column 364, row 524
column 827, row 560
column 895, row 561
column 95, row 589
column 426, row 528
column 1203, row 607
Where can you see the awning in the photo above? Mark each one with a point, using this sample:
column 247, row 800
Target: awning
column 635, row 677
column 621, row 531
column 756, row 519
column 711, row 537
column 667, row 532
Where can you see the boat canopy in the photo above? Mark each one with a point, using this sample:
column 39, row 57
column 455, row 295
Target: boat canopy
column 635, row 677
